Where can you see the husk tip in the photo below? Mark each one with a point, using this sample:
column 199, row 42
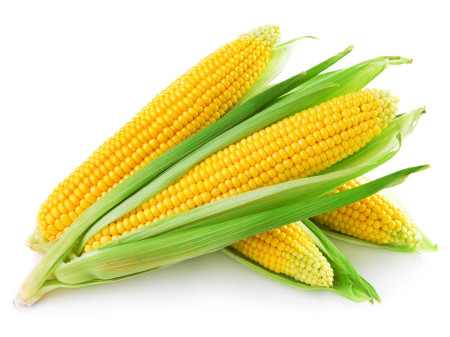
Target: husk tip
column 31, row 241
column 397, row 60
column 424, row 167
column 373, row 296
column 417, row 169
column 348, row 49
column 433, row 248
column 409, row 61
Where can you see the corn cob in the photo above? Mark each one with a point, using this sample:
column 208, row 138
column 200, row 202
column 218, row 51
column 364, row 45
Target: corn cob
column 298, row 146
column 196, row 99
column 376, row 219
column 290, row 251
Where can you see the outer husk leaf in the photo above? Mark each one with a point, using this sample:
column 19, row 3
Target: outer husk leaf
column 401, row 126
column 172, row 247
column 357, row 76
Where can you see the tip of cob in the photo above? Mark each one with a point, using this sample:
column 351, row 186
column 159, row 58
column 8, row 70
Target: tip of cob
column 269, row 33
column 379, row 219
column 290, row 251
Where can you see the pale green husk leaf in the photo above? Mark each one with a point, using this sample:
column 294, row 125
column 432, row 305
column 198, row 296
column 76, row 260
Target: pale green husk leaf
column 254, row 201
column 203, row 236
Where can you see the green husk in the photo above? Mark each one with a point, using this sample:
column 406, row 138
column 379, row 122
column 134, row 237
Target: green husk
column 195, row 239
column 425, row 246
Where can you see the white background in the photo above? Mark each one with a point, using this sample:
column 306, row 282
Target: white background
column 72, row 73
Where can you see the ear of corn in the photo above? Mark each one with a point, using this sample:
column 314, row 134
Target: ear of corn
column 296, row 147
column 379, row 220
column 236, row 115
column 113, row 205
column 368, row 158
column 283, row 107
column 288, row 250
column 39, row 242
column 407, row 238
column 198, row 98
column 344, row 279
column 193, row 238
column 233, row 117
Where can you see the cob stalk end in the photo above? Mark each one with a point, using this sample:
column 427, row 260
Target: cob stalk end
column 19, row 302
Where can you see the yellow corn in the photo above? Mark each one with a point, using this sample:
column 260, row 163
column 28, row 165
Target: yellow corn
column 195, row 100
column 375, row 219
column 290, row 251
column 299, row 146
